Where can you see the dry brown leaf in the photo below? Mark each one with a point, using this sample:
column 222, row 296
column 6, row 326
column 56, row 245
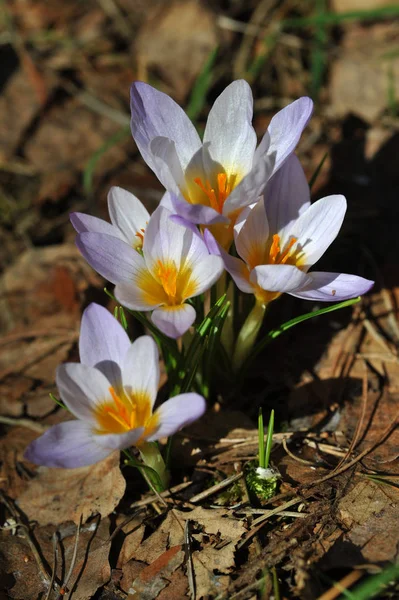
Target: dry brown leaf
column 154, row 578
column 173, row 32
column 13, row 480
column 58, row 495
column 217, row 533
column 18, row 106
column 369, row 513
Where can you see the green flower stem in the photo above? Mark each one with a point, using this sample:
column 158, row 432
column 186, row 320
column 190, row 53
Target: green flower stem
column 151, row 457
column 247, row 336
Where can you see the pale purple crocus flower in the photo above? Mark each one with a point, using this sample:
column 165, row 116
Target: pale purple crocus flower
column 173, row 266
column 283, row 236
column 211, row 181
column 128, row 215
column 111, row 392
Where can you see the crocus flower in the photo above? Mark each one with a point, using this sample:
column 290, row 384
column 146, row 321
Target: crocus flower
column 211, row 181
column 111, row 393
column 283, row 236
column 129, row 218
column 174, row 265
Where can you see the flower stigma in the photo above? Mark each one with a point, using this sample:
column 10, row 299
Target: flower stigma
column 125, row 412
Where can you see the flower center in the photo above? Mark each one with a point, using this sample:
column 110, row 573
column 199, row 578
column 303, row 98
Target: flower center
column 276, row 256
column 217, row 194
column 167, row 275
column 124, row 412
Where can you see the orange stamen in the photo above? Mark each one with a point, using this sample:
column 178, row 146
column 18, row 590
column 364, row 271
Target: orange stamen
column 275, row 248
column 285, row 255
column 168, row 277
column 224, row 186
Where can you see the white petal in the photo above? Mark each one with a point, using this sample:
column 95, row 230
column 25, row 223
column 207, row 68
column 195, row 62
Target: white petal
column 131, row 295
column 155, row 114
column 333, row 287
column 127, row 214
column 229, row 129
column 249, row 189
column 103, row 343
column 141, row 367
column 165, row 241
column 318, row 227
column 253, row 236
column 174, row 321
column 286, row 128
column 67, row 445
column 82, row 388
column 118, row 441
column 287, row 196
column 86, row 223
column 238, row 270
column 278, row 278
column 176, row 413
column 112, row 258
column 206, row 272
column 170, row 172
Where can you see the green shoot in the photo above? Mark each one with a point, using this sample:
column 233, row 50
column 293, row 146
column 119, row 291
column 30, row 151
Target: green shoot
column 261, row 440
column 265, row 450
column 269, row 440
column 59, row 402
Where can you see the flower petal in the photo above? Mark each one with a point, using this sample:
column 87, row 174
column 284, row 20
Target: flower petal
column 333, row 287
column 286, row 128
column 83, row 223
column 112, row 258
column 118, row 441
column 127, row 214
column 176, row 413
column 318, row 227
column 206, row 272
column 197, row 213
column 166, row 201
column 173, row 321
column 229, row 131
column 278, row 278
column 68, row 445
column 82, row 388
column 133, row 296
column 238, row 270
column 251, row 186
column 170, row 172
column 286, row 197
column 166, row 241
column 103, row 343
column 155, row 114
column 141, row 367
column 252, row 238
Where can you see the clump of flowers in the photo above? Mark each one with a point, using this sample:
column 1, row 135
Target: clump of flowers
column 233, row 215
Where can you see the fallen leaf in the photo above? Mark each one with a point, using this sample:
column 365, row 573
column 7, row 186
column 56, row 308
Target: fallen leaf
column 58, row 495
column 369, row 512
column 154, row 578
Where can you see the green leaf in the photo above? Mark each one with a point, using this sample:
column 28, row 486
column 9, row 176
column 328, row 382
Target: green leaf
column 274, row 333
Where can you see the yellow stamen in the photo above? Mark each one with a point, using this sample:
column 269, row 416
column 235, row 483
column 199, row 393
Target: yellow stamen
column 275, row 248
column 124, row 412
column 217, row 197
column 167, row 274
